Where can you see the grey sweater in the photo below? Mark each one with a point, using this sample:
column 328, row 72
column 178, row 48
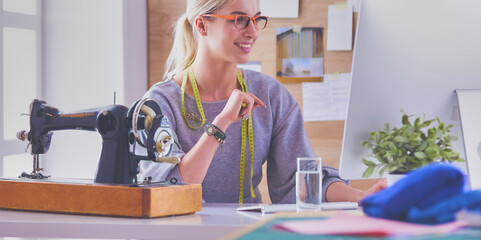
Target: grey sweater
column 279, row 138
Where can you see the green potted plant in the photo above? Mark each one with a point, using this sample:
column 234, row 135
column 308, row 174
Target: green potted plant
column 413, row 145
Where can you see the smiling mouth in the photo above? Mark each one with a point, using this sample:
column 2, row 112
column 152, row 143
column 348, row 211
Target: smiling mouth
column 243, row 45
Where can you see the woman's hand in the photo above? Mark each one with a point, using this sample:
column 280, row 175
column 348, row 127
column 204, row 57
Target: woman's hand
column 378, row 186
column 239, row 105
column 340, row 192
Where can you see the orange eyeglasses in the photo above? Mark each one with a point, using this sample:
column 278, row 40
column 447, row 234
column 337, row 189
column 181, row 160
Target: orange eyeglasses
column 242, row 21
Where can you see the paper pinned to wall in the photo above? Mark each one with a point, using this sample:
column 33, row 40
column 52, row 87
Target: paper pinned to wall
column 280, row 8
column 339, row 27
column 327, row 100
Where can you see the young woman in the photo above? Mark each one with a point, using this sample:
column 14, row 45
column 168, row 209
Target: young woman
column 229, row 121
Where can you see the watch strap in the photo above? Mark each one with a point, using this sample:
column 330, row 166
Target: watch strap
column 213, row 130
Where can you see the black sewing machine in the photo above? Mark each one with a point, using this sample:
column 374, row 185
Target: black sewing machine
column 122, row 129
column 129, row 135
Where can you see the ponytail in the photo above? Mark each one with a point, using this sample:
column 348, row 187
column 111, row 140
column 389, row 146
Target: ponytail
column 184, row 48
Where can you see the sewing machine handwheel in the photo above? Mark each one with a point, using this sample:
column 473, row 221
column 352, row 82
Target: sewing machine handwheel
column 163, row 143
column 159, row 141
column 143, row 113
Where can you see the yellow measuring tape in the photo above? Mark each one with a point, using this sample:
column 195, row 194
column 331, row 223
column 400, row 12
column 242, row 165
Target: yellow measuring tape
column 190, row 71
column 246, row 126
column 243, row 84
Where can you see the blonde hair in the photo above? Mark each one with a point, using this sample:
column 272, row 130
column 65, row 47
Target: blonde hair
column 184, row 48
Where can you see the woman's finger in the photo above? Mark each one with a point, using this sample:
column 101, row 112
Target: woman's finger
column 250, row 103
column 257, row 101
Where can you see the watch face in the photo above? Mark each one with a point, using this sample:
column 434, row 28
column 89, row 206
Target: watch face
column 210, row 130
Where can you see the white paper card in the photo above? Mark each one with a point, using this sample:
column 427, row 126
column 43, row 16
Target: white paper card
column 280, row 8
column 339, row 28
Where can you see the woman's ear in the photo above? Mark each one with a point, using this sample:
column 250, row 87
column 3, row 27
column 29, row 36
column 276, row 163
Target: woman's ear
column 201, row 25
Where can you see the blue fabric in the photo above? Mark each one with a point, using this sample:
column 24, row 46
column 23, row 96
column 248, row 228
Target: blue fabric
column 421, row 189
column 445, row 211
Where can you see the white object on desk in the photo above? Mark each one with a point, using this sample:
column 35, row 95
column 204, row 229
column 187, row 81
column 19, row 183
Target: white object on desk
column 470, row 115
column 269, row 208
column 273, row 208
column 339, row 205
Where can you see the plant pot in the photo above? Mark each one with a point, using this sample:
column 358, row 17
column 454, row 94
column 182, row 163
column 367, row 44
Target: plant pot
column 392, row 178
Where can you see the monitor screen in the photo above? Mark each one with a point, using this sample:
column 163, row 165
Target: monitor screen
column 409, row 55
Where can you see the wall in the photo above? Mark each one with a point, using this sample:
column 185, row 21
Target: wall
column 91, row 49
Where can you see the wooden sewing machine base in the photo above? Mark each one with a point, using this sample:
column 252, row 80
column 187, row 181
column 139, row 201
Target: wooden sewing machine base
column 100, row 199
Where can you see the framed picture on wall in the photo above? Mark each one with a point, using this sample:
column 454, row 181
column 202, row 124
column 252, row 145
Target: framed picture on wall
column 300, row 56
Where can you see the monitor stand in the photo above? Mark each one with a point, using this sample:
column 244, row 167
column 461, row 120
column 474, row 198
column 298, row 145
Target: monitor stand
column 469, row 102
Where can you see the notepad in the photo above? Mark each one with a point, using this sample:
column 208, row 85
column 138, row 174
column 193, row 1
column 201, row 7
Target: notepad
column 273, row 208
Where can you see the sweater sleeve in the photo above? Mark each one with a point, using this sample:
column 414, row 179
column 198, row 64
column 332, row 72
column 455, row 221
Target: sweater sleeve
column 290, row 141
column 163, row 171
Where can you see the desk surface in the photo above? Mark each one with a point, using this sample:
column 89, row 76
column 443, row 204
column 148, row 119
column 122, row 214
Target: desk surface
column 213, row 221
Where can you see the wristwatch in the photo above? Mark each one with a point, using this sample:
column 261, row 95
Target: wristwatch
column 213, row 130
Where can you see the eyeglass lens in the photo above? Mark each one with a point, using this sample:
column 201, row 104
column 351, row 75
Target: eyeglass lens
column 243, row 21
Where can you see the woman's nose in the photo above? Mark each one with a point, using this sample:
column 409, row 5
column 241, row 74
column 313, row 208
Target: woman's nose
column 251, row 29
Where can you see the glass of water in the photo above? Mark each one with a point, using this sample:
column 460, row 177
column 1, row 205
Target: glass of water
column 309, row 184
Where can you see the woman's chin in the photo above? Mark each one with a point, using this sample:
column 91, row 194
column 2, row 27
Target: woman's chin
column 243, row 60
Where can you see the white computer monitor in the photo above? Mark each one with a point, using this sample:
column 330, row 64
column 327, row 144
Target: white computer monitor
column 410, row 55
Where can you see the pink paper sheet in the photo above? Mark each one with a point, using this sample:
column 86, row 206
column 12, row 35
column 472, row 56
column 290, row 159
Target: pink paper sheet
column 348, row 224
